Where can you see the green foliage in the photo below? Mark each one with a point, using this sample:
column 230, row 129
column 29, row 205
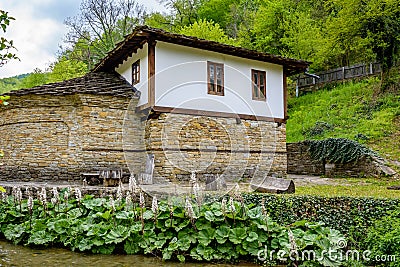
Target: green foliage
column 207, row 30
column 36, row 78
column 212, row 234
column 383, row 240
column 351, row 110
column 347, row 214
column 65, row 69
column 6, row 46
column 338, row 150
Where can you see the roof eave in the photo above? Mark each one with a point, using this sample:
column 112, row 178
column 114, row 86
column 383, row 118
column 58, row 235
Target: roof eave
column 143, row 34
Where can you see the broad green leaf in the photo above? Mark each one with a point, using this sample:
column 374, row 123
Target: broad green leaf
column 236, row 235
column 205, row 236
column 252, row 237
column 209, row 215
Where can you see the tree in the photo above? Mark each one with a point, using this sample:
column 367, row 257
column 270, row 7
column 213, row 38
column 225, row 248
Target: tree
column 207, row 30
column 65, row 69
column 381, row 28
column 36, row 78
column 6, row 46
column 101, row 24
column 184, row 12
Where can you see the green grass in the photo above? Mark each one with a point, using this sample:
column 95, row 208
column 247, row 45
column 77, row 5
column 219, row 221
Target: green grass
column 353, row 187
column 352, row 110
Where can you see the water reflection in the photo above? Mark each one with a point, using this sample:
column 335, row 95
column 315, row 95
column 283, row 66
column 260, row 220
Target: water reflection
column 13, row 255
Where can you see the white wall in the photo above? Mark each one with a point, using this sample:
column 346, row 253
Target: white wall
column 125, row 69
column 181, row 82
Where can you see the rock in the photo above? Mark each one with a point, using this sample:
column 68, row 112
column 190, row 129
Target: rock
column 275, row 185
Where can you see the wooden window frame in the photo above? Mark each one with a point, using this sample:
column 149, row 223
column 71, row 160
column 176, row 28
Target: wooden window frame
column 210, row 85
column 256, row 85
column 136, row 72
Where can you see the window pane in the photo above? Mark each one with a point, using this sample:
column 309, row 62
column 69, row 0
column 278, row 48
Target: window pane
column 211, row 79
column 255, row 84
column 262, row 84
column 261, row 79
column 219, row 79
column 255, row 88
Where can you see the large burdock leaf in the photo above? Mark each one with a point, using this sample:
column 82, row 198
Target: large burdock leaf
column 205, row 252
column 236, row 235
column 14, row 232
column 209, row 215
column 205, row 236
column 117, row 235
column 41, row 238
column 131, row 246
column 252, row 237
column 222, row 234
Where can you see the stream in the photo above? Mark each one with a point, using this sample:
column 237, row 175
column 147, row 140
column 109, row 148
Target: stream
column 16, row 255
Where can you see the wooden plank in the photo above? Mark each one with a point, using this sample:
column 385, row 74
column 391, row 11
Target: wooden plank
column 215, row 114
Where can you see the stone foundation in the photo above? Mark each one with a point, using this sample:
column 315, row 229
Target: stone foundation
column 56, row 138
column 237, row 149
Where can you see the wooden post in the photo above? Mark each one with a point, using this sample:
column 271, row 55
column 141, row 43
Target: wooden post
column 151, row 71
column 343, row 73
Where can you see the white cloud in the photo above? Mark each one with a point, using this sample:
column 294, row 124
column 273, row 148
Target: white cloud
column 39, row 30
column 36, row 40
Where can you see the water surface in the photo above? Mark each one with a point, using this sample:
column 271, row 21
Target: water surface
column 15, row 255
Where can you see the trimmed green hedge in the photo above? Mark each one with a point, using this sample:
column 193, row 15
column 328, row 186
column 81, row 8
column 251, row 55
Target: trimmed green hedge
column 341, row 213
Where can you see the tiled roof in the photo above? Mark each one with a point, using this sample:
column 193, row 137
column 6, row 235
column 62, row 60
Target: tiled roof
column 144, row 34
column 100, row 83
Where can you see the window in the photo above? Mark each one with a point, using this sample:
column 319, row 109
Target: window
column 258, row 79
column 215, row 72
column 136, row 72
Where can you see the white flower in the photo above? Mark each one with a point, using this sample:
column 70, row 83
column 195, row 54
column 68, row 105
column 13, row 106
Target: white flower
column 141, row 200
column 196, row 190
column 128, row 199
column 43, row 196
column 56, row 197
column 18, row 195
column 189, row 209
column 132, row 184
column 3, row 196
column 292, row 241
column 78, row 195
column 154, row 205
column 223, row 205
column 30, row 203
column 66, row 193
column 263, row 209
column 112, row 203
column 232, row 205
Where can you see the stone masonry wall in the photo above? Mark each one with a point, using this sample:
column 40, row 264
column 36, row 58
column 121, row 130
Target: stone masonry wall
column 237, row 149
column 300, row 162
column 49, row 137
column 46, row 137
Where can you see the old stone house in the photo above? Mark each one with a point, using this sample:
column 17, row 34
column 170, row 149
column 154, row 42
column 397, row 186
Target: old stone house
column 196, row 105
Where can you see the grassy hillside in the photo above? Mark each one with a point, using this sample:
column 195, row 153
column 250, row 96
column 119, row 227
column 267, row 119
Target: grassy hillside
column 352, row 110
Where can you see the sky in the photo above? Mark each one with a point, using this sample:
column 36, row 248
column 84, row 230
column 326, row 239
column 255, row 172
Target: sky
column 38, row 30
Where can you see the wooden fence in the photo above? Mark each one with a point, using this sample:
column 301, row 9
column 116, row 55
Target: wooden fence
column 339, row 74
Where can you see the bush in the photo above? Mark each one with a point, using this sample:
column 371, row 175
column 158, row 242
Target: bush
column 338, row 150
column 342, row 213
column 383, row 241
column 215, row 231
